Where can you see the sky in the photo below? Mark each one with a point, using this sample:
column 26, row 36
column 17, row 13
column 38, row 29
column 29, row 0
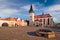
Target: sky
column 20, row 8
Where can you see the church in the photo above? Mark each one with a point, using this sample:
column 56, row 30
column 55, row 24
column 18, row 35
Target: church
column 44, row 20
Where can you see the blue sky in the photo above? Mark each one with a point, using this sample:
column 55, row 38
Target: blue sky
column 20, row 8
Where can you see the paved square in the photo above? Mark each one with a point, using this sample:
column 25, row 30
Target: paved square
column 23, row 33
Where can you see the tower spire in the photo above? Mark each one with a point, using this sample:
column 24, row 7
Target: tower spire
column 42, row 12
column 31, row 9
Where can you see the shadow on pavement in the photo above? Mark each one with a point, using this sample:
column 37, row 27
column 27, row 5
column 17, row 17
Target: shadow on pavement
column 34, row 34
column 31, row 33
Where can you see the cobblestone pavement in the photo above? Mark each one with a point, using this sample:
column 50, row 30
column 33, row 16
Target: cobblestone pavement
column 23, row 33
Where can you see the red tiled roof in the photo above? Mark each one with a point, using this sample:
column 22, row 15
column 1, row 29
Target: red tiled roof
column 46, row 15
column 43, row 16
column 9, row 19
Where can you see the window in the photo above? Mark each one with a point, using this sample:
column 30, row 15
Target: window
column 44, row 21
column 48, row 21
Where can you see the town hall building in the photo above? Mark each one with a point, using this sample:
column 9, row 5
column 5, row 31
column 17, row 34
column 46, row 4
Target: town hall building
column 44, row 20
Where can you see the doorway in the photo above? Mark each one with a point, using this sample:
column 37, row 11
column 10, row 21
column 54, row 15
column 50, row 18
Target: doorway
column 5, row 24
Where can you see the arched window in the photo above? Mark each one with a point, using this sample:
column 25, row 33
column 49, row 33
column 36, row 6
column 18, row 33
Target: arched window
column 48, row 21
column 44, row 21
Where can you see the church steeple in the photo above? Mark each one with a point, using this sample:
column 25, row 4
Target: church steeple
column 42, row 13
column 31, row 9
column 31, row 14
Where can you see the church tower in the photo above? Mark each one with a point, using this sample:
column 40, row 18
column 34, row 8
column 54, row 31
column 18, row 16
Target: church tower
column 31, row 14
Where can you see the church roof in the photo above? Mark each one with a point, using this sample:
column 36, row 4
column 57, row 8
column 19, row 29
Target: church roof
column 31, row 9
column 43, row 16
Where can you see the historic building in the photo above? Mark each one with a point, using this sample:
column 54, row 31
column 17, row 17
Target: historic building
column 12, row 22
column 40, row 20
column 31, row 14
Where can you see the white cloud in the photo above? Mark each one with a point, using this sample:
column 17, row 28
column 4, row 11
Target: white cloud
column 8, row 11
column 55, row 12
column 54, row 8
column 26, row 7
column 5, row 11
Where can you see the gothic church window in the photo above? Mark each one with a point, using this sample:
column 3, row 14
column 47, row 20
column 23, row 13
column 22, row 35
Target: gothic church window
column 48, row 21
